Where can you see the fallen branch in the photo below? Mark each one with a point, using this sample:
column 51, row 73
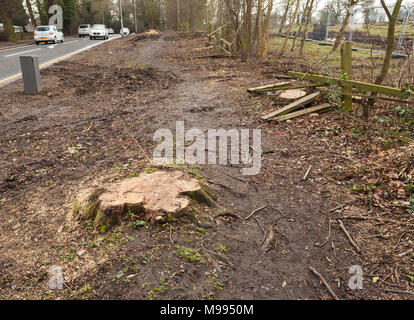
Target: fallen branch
column 267, row 243
column 307, row 173
column 327, row 238
column 316, row 273
column 399, row 291
column 354, row 244
column 254, row 211
column 229, row 214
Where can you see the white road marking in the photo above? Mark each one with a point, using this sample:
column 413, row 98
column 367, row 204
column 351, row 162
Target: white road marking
column 70, row 41
column 15, row 54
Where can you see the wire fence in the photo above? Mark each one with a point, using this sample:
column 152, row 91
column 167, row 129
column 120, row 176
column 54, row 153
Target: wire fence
column 367, row 29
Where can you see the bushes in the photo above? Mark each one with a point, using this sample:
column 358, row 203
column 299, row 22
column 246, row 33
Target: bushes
column 4, row 36
column 19, row 36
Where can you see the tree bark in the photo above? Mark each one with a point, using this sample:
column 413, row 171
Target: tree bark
column 259, row 28
column 267, row 27
column 392, row 19
column 32, row 18
column 305, row 30
column 292, row 22
column 249, row 25
column 178, row 16
column 282, row 22
column 302, row 21
column 341, row 31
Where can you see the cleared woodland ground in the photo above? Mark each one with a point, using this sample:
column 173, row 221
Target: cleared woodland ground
column 55, row 145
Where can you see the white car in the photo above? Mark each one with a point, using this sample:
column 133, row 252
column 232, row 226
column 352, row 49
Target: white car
column 48, row 34
column 98, row 31
column 125, row 31
column 111, row 31
column 84, row 30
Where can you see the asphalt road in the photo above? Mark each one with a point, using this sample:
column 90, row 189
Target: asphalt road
column 47, row 53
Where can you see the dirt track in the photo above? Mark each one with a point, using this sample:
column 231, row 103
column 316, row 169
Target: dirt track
column 63, row 141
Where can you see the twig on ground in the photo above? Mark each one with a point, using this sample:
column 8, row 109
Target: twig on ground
column 354, row 244
column 327, row 238
column 254, row 211
column 399, row 291
column 316, row 273
column 228, row 214
column 264, row 232
column 307, row 173
column 139, row 146
column 267, row 243
column 402, row 254
column 281, row 280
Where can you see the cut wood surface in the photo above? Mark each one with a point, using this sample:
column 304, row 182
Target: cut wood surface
column 303, row 112
column 292, row 106
column 292, row 94
column 268, row 87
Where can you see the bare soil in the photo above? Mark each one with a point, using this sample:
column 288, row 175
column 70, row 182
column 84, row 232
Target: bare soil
column 87, row 127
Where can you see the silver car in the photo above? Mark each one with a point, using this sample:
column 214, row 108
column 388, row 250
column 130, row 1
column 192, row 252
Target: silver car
column 99, row 31
column 83, row 30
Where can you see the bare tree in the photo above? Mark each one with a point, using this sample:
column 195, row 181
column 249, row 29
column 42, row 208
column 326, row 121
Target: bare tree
column 350, row 6
column 392, row 20
column 287, row 4
column 292, row 22
column 307, row 23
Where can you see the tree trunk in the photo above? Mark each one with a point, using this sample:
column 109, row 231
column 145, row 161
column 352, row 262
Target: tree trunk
column 249, row 25
column 302, row 21
column 178, row 16
column 267, row 26
column 282, row 22
column 341, row 31
column 7, row 23
column 392, row 19
column 259, row 28
column 305, row 30
column 292, row 22
column 32, row 18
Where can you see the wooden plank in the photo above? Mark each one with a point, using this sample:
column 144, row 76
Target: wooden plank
column 299, row 86
column 346, row 61
column 292, row 106
column 268, row 87
column 303, row 112
column 357, row 84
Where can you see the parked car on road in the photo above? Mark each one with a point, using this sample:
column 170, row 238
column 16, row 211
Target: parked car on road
column 125, row 31
column 111, row 31
column 98, row 31
column 48, row 34
column 84, row 30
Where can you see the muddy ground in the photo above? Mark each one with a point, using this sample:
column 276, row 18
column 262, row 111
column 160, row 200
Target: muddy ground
column 87, row 127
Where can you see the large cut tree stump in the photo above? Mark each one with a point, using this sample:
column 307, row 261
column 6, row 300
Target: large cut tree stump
column 148, row 195
column 292, row 94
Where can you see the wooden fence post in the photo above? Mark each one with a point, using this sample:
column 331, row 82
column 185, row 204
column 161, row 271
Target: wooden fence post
column 346, row 69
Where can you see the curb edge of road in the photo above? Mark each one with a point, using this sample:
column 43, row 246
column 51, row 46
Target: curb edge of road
column 14, row 77
column 16, row 47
